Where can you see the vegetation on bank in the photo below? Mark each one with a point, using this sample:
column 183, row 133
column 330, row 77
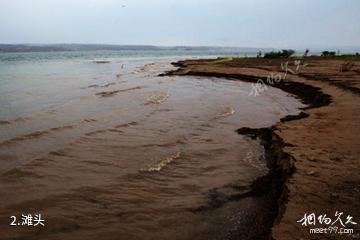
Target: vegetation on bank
column 328, row 54
column 285, row 53
column 349, row 61
column 276, row 58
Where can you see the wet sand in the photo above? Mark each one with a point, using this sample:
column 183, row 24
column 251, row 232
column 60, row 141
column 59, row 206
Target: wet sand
column 315, row 156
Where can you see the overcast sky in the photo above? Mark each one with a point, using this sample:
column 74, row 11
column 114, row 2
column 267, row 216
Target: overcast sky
column 254, row 23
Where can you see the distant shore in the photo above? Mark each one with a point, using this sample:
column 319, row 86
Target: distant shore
column 313, row 157
column 8, row 48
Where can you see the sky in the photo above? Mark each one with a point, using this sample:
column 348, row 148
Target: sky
column 241, row 23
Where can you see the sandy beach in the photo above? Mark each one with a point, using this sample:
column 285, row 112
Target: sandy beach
column 314, row 156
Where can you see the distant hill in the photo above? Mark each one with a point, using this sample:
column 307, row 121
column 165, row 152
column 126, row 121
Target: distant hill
column 94, row 47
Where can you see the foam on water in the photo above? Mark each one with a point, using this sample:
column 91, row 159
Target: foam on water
column 225, row 113
column 158, row 98
column 161, row 164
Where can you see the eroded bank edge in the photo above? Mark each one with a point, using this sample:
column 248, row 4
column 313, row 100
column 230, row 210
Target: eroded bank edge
column 281, row 164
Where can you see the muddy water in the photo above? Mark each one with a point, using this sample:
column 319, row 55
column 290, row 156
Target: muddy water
column 111, row 151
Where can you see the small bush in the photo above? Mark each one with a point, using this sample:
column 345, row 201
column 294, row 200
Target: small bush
column 306, row 53
column 328, row 53
column 286, row 53
column 259, row 54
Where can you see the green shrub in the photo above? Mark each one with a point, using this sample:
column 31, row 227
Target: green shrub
column 285, row 53
column 328, row 53
column 306, row 53
column 259, row 54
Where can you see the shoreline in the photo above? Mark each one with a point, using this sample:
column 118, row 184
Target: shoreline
column 282, row 164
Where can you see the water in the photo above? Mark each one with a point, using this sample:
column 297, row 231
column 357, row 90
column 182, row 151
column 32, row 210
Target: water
column 107, row 149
